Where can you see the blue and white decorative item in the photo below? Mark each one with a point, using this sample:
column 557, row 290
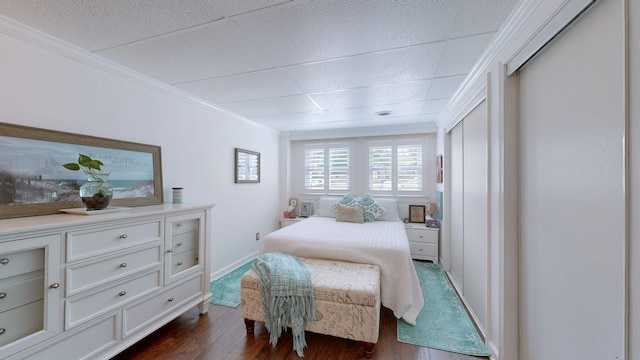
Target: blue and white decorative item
column 177, row 195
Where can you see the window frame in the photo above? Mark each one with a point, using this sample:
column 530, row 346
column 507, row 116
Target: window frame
column 359, row 164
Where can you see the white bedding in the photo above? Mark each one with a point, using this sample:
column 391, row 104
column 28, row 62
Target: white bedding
column 383, row 243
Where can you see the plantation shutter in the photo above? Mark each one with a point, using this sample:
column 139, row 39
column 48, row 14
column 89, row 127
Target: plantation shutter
column 409, row 167
column 314, row 169
column 338, row 168
column 380, row 168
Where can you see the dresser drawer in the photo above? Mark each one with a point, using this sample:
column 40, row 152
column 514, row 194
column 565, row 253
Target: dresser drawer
column 150, row 310
column 183, row 261
column 87, row 343
column 81, row 309
column 21, row 262
column 21, row 290
column 82, row 244
column 89, row 275
column 422, row 235
column 20, row 322
column 184, row 242
column 422, row 250
column 185, row 226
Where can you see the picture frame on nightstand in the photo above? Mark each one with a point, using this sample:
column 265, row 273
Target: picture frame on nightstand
column 416, row 213
column 305, row 209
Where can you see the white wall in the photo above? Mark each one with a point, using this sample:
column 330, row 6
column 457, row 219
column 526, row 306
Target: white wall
column 572, row 199
column 51, row 85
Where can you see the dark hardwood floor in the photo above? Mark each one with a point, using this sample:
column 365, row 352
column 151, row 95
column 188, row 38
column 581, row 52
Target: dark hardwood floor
column 221, row 335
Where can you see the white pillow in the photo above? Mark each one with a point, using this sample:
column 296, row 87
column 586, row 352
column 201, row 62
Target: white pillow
column 324, row 207
column 391, row 207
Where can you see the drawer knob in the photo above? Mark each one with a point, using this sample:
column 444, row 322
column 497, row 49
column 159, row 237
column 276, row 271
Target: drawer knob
column 123, row 265
column 179, row 224
column 54, row 286
column 2, row 331
column 179, row 263
column 179, row 244
column 3, row 295
column 169, row 250
column 122, row 293
column 170, row 299
column 4, row 261
column 123, row 236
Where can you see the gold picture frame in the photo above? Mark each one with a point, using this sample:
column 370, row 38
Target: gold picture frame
column 417, row 213
column 34, row 182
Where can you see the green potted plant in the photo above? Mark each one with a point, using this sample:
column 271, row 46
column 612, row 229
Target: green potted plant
column 97, row 193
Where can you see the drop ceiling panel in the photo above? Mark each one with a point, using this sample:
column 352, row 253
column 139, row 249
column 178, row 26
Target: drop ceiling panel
column 391, row 66
column 215, row 50
column 248, row 86
column 477, row 17
column 461, row 54
column 357, row 117
column 334, row 29
column 293, row 65
column 273, row 106
column 373, row 95
column 434, row 107
column 233, row 7
column 445, row 87
column 102, row 24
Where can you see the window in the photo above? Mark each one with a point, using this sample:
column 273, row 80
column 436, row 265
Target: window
column 326, row 168
column 391, row 166
column 380, row 168
column 395, row 167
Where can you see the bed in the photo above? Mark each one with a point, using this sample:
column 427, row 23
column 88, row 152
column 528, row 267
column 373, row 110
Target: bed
column 382, row 243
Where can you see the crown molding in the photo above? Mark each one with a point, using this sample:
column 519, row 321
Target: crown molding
column 52, row 44
column 531, row 25
column 387, row 130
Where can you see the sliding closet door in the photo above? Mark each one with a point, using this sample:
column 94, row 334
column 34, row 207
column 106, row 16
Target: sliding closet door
column 457, row 206
column 572, row 203
column 475, row 212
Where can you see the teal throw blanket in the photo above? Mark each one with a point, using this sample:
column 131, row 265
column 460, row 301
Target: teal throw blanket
column 287, row 296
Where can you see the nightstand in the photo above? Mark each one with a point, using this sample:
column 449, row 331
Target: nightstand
column 423, row 242
column 287, row 222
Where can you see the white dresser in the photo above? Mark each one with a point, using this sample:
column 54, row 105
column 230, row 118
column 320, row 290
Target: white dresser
column 423, row 242
column 84, row 287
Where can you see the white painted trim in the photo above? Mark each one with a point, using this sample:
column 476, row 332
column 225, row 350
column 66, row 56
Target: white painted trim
column 517, row 36
column 389, row 130
column 45, row 41
column 472, row 103
column 559, row 16
column 229, row 268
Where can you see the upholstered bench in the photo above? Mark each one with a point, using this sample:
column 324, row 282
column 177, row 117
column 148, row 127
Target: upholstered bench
column 347, row 300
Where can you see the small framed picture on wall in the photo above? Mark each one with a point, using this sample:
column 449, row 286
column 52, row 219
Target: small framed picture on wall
column 439, row 177
column 305, row 209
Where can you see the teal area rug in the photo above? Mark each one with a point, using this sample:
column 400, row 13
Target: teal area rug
column 443, row 322
column 226, row 290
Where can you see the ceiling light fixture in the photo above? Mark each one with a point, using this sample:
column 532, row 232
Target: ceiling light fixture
column 383, row 113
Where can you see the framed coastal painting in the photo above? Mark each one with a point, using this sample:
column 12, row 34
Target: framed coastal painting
column 34, row 182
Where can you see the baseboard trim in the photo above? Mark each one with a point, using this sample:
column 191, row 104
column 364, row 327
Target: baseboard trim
column 229, row 268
